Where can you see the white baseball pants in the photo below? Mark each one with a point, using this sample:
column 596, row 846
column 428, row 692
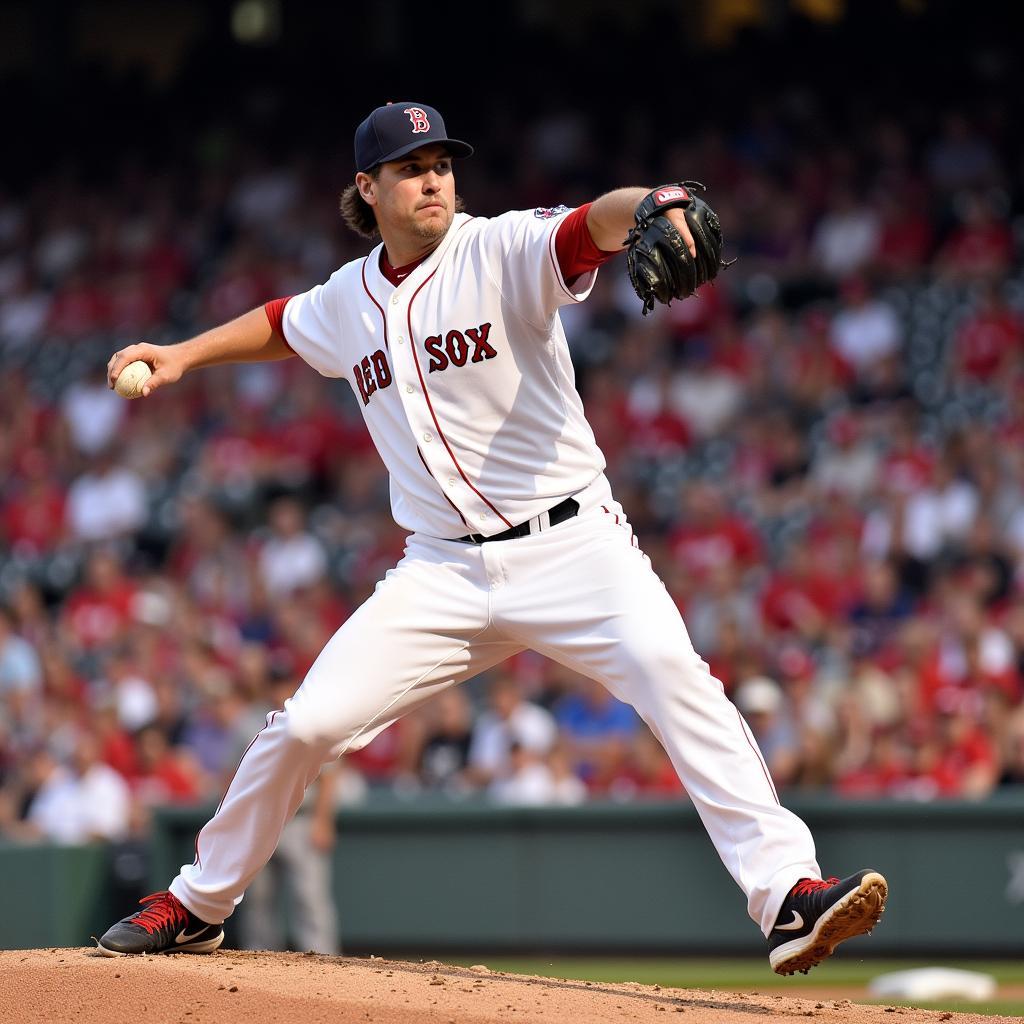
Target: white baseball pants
column 581, row 593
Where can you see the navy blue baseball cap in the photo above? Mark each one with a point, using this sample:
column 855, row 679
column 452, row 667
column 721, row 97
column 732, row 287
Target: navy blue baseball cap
column 399, row 128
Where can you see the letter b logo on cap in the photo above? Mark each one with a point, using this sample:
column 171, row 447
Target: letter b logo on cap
column 419, row 120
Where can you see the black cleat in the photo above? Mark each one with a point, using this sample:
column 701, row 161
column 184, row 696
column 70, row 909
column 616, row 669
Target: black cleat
column 164, row 926
column 817, row 915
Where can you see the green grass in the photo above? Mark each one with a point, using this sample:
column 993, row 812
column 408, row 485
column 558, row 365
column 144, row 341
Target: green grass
column 756, row 976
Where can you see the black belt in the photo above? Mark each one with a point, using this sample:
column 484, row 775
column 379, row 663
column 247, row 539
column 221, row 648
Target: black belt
column 562, row 511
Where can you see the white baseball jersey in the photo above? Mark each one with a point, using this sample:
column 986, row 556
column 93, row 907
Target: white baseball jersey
column 462, row 373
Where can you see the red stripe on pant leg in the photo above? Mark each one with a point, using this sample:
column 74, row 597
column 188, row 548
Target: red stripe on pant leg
column 270, row 721
column 760, row 759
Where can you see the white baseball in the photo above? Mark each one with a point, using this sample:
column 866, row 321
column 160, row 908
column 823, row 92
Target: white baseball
column 130, row 380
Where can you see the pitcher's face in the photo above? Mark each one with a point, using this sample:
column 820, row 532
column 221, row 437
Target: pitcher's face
column 414, row 195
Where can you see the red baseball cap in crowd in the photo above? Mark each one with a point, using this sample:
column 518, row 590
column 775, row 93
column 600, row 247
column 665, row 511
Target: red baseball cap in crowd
column 393, row 130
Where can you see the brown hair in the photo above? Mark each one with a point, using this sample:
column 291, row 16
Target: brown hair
column 358, row 214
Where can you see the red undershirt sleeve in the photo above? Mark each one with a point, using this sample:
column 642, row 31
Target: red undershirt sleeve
column 275, row 314
column 574, row 246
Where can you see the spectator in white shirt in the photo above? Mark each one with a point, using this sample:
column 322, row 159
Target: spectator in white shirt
column 106, row 502
column 866, row 330
column 85, row 802
column 132, row 694
column 292, row 557
column 939, row 515
column 533, row 780
column 847, row 237
column 94, row 415
column 511, row 721
column 23, row 313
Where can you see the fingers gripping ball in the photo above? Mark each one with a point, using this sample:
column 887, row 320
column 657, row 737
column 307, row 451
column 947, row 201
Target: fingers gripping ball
column 131, row 379
column 661, row 267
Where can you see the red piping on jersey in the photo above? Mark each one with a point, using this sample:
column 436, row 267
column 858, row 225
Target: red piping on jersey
column 440, row 488
column 270, row 722
column 380, row 308
column 433, row 415
column 554, row 263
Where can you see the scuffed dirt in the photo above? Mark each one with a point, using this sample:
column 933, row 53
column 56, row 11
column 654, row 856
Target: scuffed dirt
column 230, row 987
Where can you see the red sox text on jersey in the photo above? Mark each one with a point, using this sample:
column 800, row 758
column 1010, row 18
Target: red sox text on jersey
column 450, row 348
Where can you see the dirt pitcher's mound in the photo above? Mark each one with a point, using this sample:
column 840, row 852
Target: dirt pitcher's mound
column 231, row 987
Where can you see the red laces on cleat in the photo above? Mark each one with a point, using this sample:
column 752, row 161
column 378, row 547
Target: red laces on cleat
column 808, row 885
column 162, row 909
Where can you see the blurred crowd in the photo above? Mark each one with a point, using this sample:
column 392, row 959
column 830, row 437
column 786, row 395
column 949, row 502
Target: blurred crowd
column 821, row 455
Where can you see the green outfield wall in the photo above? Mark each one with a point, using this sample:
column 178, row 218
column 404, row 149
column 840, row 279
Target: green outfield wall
column 52, row 895
column 424, row 875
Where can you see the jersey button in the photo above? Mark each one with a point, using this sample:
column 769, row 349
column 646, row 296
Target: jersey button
column 400, row 339
column 408, row 389
column 428, row 438
column 394, row 300
column 483, row 515
column 451, row 481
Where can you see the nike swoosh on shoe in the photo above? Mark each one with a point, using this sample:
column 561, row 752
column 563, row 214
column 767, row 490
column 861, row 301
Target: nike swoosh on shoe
column 794, row 925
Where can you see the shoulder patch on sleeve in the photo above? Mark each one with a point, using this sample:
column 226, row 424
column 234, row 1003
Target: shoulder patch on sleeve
column 547, row 212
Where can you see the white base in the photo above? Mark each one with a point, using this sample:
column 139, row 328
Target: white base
column 926, row 984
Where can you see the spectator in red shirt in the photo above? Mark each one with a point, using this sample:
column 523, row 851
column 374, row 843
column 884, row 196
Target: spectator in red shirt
column 165, row 261
column 244, row 452
column 907, row 234
column 165, row 774
column 312, row 430
column 392, row 755
column 33, row 517
column 908, row 463
column 964, row 762
column 656, row 431
column 241, row 284
column 802, row 596
column 972, row 655
column 135, row 304
column 646, row 773
column 117, row 746
column 100, row 610
column 886, row 772
column 79, row 309
column 981, row 247
column 988, row 338
column 709, row 535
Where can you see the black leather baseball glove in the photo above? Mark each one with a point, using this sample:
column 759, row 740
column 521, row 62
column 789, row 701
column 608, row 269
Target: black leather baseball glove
column 660, row 265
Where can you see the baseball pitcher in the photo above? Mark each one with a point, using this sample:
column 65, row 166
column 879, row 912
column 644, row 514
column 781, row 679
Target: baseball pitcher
column 449, row 334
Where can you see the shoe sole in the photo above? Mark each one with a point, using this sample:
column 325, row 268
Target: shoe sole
column 196, row 947
column 856, row 913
